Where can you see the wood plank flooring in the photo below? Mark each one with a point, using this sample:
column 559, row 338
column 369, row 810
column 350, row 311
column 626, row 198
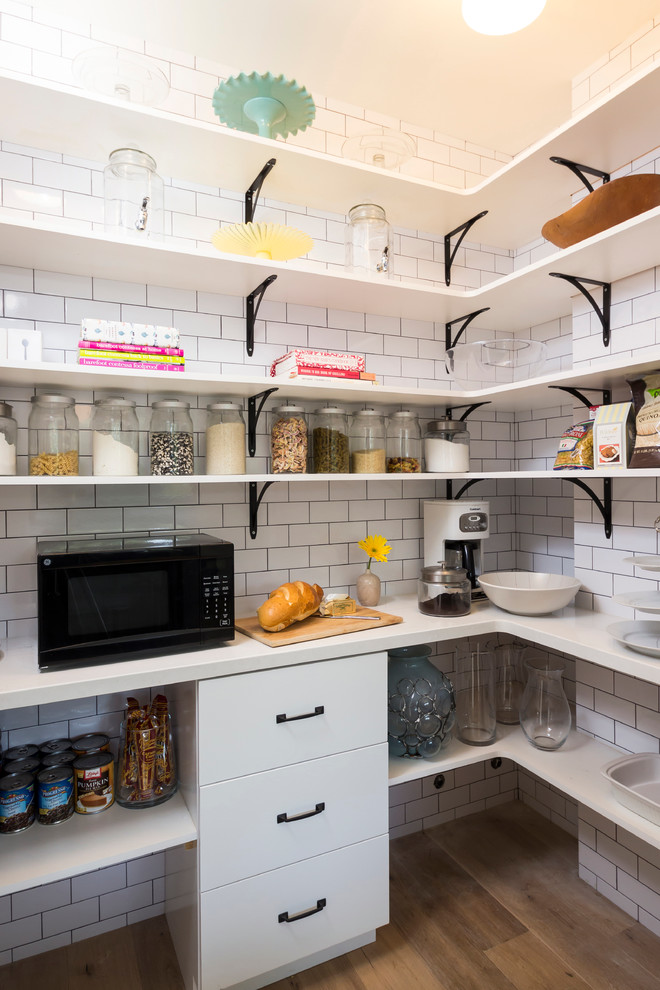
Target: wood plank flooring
column 489, row 902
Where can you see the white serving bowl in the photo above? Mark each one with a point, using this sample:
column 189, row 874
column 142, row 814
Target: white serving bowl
column 526, row 593
column 495, row 362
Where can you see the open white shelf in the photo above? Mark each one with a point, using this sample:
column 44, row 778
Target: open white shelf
column 42, row 853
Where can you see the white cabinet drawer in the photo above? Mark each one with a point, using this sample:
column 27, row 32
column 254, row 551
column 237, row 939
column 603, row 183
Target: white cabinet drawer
column 241, row 931
column 271, row 718
column 246, row 827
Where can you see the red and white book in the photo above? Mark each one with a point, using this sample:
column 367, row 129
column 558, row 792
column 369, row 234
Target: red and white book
column 130, row 355
column 109, row 345
column 305, row 371
column 317, row 359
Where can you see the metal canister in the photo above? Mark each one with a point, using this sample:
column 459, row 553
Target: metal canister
column 29, row 765
column 59, row 759
column 94, row 776
column 91, row 743
column 20, row 752
column 54, row 795
column 55, row 746
column 16, row 802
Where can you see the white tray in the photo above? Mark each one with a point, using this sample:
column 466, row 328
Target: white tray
column 636, row 784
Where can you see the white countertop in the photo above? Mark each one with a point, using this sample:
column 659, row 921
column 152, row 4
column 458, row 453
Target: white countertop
column 573, row 631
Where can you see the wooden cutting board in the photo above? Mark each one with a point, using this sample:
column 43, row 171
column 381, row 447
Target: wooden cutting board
column 315, row 627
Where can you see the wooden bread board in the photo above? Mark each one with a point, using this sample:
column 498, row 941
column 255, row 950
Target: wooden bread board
column 315, row 627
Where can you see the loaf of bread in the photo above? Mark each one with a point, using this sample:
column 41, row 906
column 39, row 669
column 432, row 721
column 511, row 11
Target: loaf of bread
column 289, row 603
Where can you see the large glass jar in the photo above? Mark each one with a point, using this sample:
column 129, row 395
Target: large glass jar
column 545, row 715
column 133, row 193
column 446, row 446
column 330, row 441
column 444, row 588
column 171, row 438
column 367, row 441
column 146, row 771
column 368, row 241
column 420, row 703
column 8, row 431
column 288, row 440
column 53, row 435
column 115, row 437
column 404, row 443
column 225, row 438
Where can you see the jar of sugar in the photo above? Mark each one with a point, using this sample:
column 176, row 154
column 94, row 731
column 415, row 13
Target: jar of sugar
column 7, row 440
column 114, row 437
column 446, row 446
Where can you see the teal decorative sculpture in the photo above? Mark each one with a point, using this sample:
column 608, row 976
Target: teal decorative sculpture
column 264, row 104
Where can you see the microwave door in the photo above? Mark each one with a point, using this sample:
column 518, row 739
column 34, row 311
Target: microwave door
column 84, row 611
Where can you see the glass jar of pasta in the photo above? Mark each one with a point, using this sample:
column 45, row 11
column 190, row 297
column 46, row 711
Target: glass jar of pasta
column 53, row 436
column 288, row 440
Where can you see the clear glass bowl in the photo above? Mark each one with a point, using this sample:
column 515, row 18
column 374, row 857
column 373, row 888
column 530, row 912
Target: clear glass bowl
column 495, row 362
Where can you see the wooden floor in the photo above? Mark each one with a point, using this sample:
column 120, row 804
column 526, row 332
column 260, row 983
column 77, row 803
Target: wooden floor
column 489, row 902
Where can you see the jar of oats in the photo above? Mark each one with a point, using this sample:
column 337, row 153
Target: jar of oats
column 53, row 436
column 288, row 440
column 367, row 442
column 225, row 438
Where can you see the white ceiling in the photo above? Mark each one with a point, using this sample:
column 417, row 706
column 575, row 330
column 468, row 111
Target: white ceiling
column 414, row 60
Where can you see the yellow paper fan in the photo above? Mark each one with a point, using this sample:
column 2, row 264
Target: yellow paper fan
column 263, row 240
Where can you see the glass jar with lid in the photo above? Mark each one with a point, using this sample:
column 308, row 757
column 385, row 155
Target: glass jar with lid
column 225, row 438
column 171, row 438
column 404, row 443
column 367, row 441
column 368, row 241
column 330, row 441
column 444, row 588
column 53, row 435
column 115, row 437
column 8, row 430
column 133, row 193
column 446, row 446
column 288, row 439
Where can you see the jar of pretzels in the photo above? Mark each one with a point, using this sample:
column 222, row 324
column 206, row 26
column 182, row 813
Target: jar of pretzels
column 53, row 436
column 146, row 773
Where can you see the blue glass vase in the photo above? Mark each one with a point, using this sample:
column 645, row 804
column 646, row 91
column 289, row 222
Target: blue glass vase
column 421, row 708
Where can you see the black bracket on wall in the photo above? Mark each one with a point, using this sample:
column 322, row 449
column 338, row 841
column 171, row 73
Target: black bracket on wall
column 577, row 394
column 466, row 321
column 253, row 417
column 252, row 194
column 462, row 229
column 602, row 314
column 468, row 410
column 579, row 169
column 604, row 507
column 255, row 502
column 450, row 487
column 251, row 311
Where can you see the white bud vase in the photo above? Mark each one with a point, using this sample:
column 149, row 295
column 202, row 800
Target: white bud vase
column 367, row 589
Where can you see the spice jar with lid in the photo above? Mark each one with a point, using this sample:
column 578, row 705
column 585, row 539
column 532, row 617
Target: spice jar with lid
column 288, row 439
column 368, row 241
column 330, row 441
column 171, row 438
column 447, row 446
column 444, row 588
column 53, row 436
column 404, row 443
column 225, row 438
column 8, row 431
column 115, row 437
column 367, row 441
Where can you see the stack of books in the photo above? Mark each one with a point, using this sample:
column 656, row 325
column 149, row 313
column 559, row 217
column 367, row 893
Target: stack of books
column 320, row 364
column 104, row 344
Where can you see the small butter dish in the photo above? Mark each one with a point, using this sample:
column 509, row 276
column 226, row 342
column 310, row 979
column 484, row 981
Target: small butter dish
column 337, row 604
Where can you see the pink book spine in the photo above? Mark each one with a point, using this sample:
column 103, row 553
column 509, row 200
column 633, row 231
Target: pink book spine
column 109, row 345
column 138, row 365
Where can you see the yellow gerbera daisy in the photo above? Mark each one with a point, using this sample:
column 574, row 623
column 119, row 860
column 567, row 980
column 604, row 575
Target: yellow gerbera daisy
column 376, row 547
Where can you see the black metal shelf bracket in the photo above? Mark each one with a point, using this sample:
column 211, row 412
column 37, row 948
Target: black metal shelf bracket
column 577, row 394
column 602, row 314
column 462, row 229
column 252, row 194
column 255, row 502
column 468, row 409
column 466, row 321
column 450, row 487
column 604, row 507
column 251, row 311
column 579, row 169
column 253, row 417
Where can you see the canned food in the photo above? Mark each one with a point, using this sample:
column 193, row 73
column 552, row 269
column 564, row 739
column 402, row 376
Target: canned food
column 29, row 765
column 54, row 795
column 91, row 743
column 20, row 752
column 94, row 776
column 55, row 746
column 16, row 802
column 59, row 759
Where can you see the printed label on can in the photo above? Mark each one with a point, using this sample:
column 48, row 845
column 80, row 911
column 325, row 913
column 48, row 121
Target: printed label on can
column 55, row 795
column 16, row 803
column 95, row 787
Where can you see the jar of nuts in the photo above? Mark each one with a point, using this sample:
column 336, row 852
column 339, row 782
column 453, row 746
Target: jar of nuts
column 53, row 436
column 288, row 440
column 330, row 441
column 404, row 443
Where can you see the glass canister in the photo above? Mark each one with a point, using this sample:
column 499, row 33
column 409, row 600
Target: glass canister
column 133, row 193
column 330, row 441
column 368, row 241
column 508, row 683
column 146, row 770
column 404, row 443
column 115, row 437
column 53, row 436
column 288, row 440
column 367, row 442
column 420, row 703
column 545, row 715
column 474, row 684
column 444, row 588
column 446, row 446
column 171, row 438
column 225, row 438
column 8, row 430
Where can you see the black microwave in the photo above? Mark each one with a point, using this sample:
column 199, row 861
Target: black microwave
column 124, row 597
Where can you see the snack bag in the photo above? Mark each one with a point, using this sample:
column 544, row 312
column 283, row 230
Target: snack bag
column 646, row 400
column 576, row 448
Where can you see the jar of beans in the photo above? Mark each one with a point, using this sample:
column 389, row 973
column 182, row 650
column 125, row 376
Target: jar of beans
column 330, row 441
column 367, row 442
column 53, row 436
column 171, row 438
column 288, row 440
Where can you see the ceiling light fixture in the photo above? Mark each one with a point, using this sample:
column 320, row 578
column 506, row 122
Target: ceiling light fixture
column 500, row 16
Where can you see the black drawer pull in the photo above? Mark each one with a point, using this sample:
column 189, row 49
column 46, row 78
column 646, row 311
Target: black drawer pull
column 320, row 904
column 284, row 817
column 319, row 710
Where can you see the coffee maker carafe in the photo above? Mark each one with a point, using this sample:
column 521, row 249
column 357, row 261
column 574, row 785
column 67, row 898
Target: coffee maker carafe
column 460, row 525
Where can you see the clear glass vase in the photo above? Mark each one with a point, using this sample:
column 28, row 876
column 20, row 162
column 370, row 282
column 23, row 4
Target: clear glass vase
column 545, row 715
column 508, row 683
column 420, row 703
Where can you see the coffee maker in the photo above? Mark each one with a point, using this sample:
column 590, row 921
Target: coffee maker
column 460, row 525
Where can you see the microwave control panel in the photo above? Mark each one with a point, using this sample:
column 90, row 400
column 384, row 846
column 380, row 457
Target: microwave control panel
column 216, row 597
